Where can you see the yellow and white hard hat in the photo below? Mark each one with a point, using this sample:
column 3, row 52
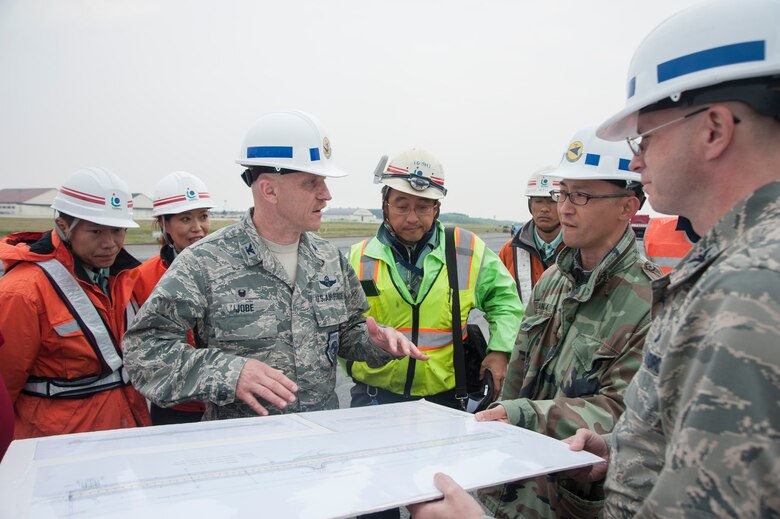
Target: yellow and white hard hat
column 98, row 196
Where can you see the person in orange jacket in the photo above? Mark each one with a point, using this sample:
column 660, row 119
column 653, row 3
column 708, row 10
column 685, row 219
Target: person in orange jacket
column 66, row 300
column 181, row 206
column 534, row 248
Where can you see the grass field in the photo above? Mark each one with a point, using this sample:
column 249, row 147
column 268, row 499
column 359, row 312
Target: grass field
column 144, row 233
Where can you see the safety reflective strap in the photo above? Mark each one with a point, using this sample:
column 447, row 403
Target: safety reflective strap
column 523, row 266
column 86, row 311
column 464, row 257
column 62, row 388
column 368, row 268
column 67, row 328
column 430, row 339
column 130, row 311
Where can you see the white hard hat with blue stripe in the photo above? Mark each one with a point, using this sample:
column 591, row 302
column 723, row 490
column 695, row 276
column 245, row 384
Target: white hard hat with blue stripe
column 587, row 157
column 288, row 142
column 720, row 42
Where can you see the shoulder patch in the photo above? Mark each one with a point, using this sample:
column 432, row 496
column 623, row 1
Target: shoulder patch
column 652, row 270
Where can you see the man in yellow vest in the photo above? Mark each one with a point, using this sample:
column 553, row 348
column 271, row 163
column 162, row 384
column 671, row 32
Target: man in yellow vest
column 404, row 274
column 403, row 271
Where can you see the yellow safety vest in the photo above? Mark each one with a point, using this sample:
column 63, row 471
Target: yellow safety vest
column 427, row 322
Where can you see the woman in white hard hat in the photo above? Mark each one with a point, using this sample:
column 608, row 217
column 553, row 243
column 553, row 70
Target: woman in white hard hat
column 181, row 208
column 66, row 300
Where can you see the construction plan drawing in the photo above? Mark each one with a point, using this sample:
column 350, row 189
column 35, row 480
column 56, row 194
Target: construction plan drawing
column 311, row 465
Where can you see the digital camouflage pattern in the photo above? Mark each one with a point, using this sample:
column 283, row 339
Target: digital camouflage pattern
column 240, row 303
column 576, row 353
column 701, row 433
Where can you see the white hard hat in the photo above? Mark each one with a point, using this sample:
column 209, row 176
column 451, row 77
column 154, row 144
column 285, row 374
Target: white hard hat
column 542, row 182
column 708, row 47
column 415, row 172
column 588, row 157
column 96, row 195
column 289, row 141
column 178, row 192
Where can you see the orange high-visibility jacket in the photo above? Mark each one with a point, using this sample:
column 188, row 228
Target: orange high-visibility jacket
column 523, row 260
column 44, row 340
column 664, row 244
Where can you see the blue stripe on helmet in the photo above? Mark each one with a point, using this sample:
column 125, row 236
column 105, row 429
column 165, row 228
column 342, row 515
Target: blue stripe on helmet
column 623, row 164
column 711, row 58
column 314, row 154
column 592, row 159
column 632, row 87
column 269, row 152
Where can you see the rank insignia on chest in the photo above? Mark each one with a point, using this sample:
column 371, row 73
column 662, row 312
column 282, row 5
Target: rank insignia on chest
column 329, row 282
column 249, row 249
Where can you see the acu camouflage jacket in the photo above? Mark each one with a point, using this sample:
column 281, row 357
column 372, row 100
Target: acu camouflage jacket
column 578, row 348
column 241, row 304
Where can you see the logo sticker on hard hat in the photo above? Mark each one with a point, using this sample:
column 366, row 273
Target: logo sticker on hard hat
column 191, row 194
column 326, row 147
column 545, row 181
column 115, row 201
column 574, row 152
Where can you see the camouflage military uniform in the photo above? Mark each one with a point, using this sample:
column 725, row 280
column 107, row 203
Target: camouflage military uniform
column 701, row 432
column 236, row 297
column 578, row 348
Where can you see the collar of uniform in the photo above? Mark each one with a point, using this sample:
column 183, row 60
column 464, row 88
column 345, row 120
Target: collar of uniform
column 733, row 229
column 256, row 251
column 617, row 259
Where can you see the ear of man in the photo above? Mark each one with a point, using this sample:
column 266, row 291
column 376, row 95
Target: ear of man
column 718, row 128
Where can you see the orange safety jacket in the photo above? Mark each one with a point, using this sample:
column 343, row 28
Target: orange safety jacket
column 49, row 347
column 664, row 244
column 523, row 260
column 150, row 273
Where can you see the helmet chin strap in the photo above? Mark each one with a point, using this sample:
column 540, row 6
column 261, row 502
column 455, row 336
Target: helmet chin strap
column 65, row 236
column 166, row 236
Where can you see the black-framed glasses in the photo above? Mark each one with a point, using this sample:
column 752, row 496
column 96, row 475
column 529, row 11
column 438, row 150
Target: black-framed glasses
column 403, row 210
column 579, row 198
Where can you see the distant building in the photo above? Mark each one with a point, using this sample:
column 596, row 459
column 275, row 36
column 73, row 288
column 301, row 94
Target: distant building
column 337, row 214
column 27, row 203
column 36, row 202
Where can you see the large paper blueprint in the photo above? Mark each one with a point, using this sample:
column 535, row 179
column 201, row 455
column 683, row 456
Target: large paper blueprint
column 310, row 465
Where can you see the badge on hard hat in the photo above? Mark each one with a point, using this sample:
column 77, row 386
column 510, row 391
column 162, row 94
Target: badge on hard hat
column 190, row 194
column 326, row 147
column 115, row 201
column 574, row 152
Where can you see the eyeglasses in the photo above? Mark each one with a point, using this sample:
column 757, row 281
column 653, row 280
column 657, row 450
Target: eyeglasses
column 403, row 210
column 578, row 198
column 635, row 143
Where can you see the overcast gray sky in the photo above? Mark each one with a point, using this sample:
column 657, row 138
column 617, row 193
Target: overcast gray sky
column 493, row 88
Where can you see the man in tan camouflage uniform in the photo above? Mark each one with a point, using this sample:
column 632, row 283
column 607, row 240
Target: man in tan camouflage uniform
column 270, row 304
column 701, row 433
column 581, row 340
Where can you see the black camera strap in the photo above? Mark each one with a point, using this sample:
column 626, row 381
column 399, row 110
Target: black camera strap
column 458, row 354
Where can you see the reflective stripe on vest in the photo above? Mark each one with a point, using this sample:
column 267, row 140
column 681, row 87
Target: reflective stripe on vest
column 68, row 288
column 523, row 272
column 434, row 329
